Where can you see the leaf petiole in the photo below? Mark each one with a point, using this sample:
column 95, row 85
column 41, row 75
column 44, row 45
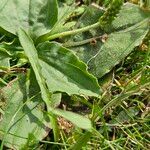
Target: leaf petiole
column 48, row 37
column 90, row 40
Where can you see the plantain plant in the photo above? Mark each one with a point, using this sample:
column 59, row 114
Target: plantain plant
column 51, row 48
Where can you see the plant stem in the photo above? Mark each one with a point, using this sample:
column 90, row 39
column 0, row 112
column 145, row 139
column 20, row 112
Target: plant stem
column 73, row 44
column 47, row 37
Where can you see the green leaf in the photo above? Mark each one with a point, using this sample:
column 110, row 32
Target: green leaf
column 37, row 16
column 127, row 34
column 117, row 47
column 56, row 99
column 64, row 72
column 131, row 14
column 11, row 47
column 22, row 114
column 68, row 2
column 56, row 56
column 82, row 141
column 126, row 115
column 86, row 51
column 64, row 12
column 32, row 55
column 78, row 120
column 4, row 58
column 42, row 16
column 10, row 50
column 2, row 83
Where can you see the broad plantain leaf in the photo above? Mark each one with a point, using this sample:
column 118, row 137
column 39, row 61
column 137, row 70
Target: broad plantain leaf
column 117, row 47
column 86, row 51
column 129, row 15
column 64, row 12
column 23, row 114
column 76, row 119
column 38, row 16
column 56, row 98
column 51, row 67
column 64, row 72
column 31, row 53
column 129, row 28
